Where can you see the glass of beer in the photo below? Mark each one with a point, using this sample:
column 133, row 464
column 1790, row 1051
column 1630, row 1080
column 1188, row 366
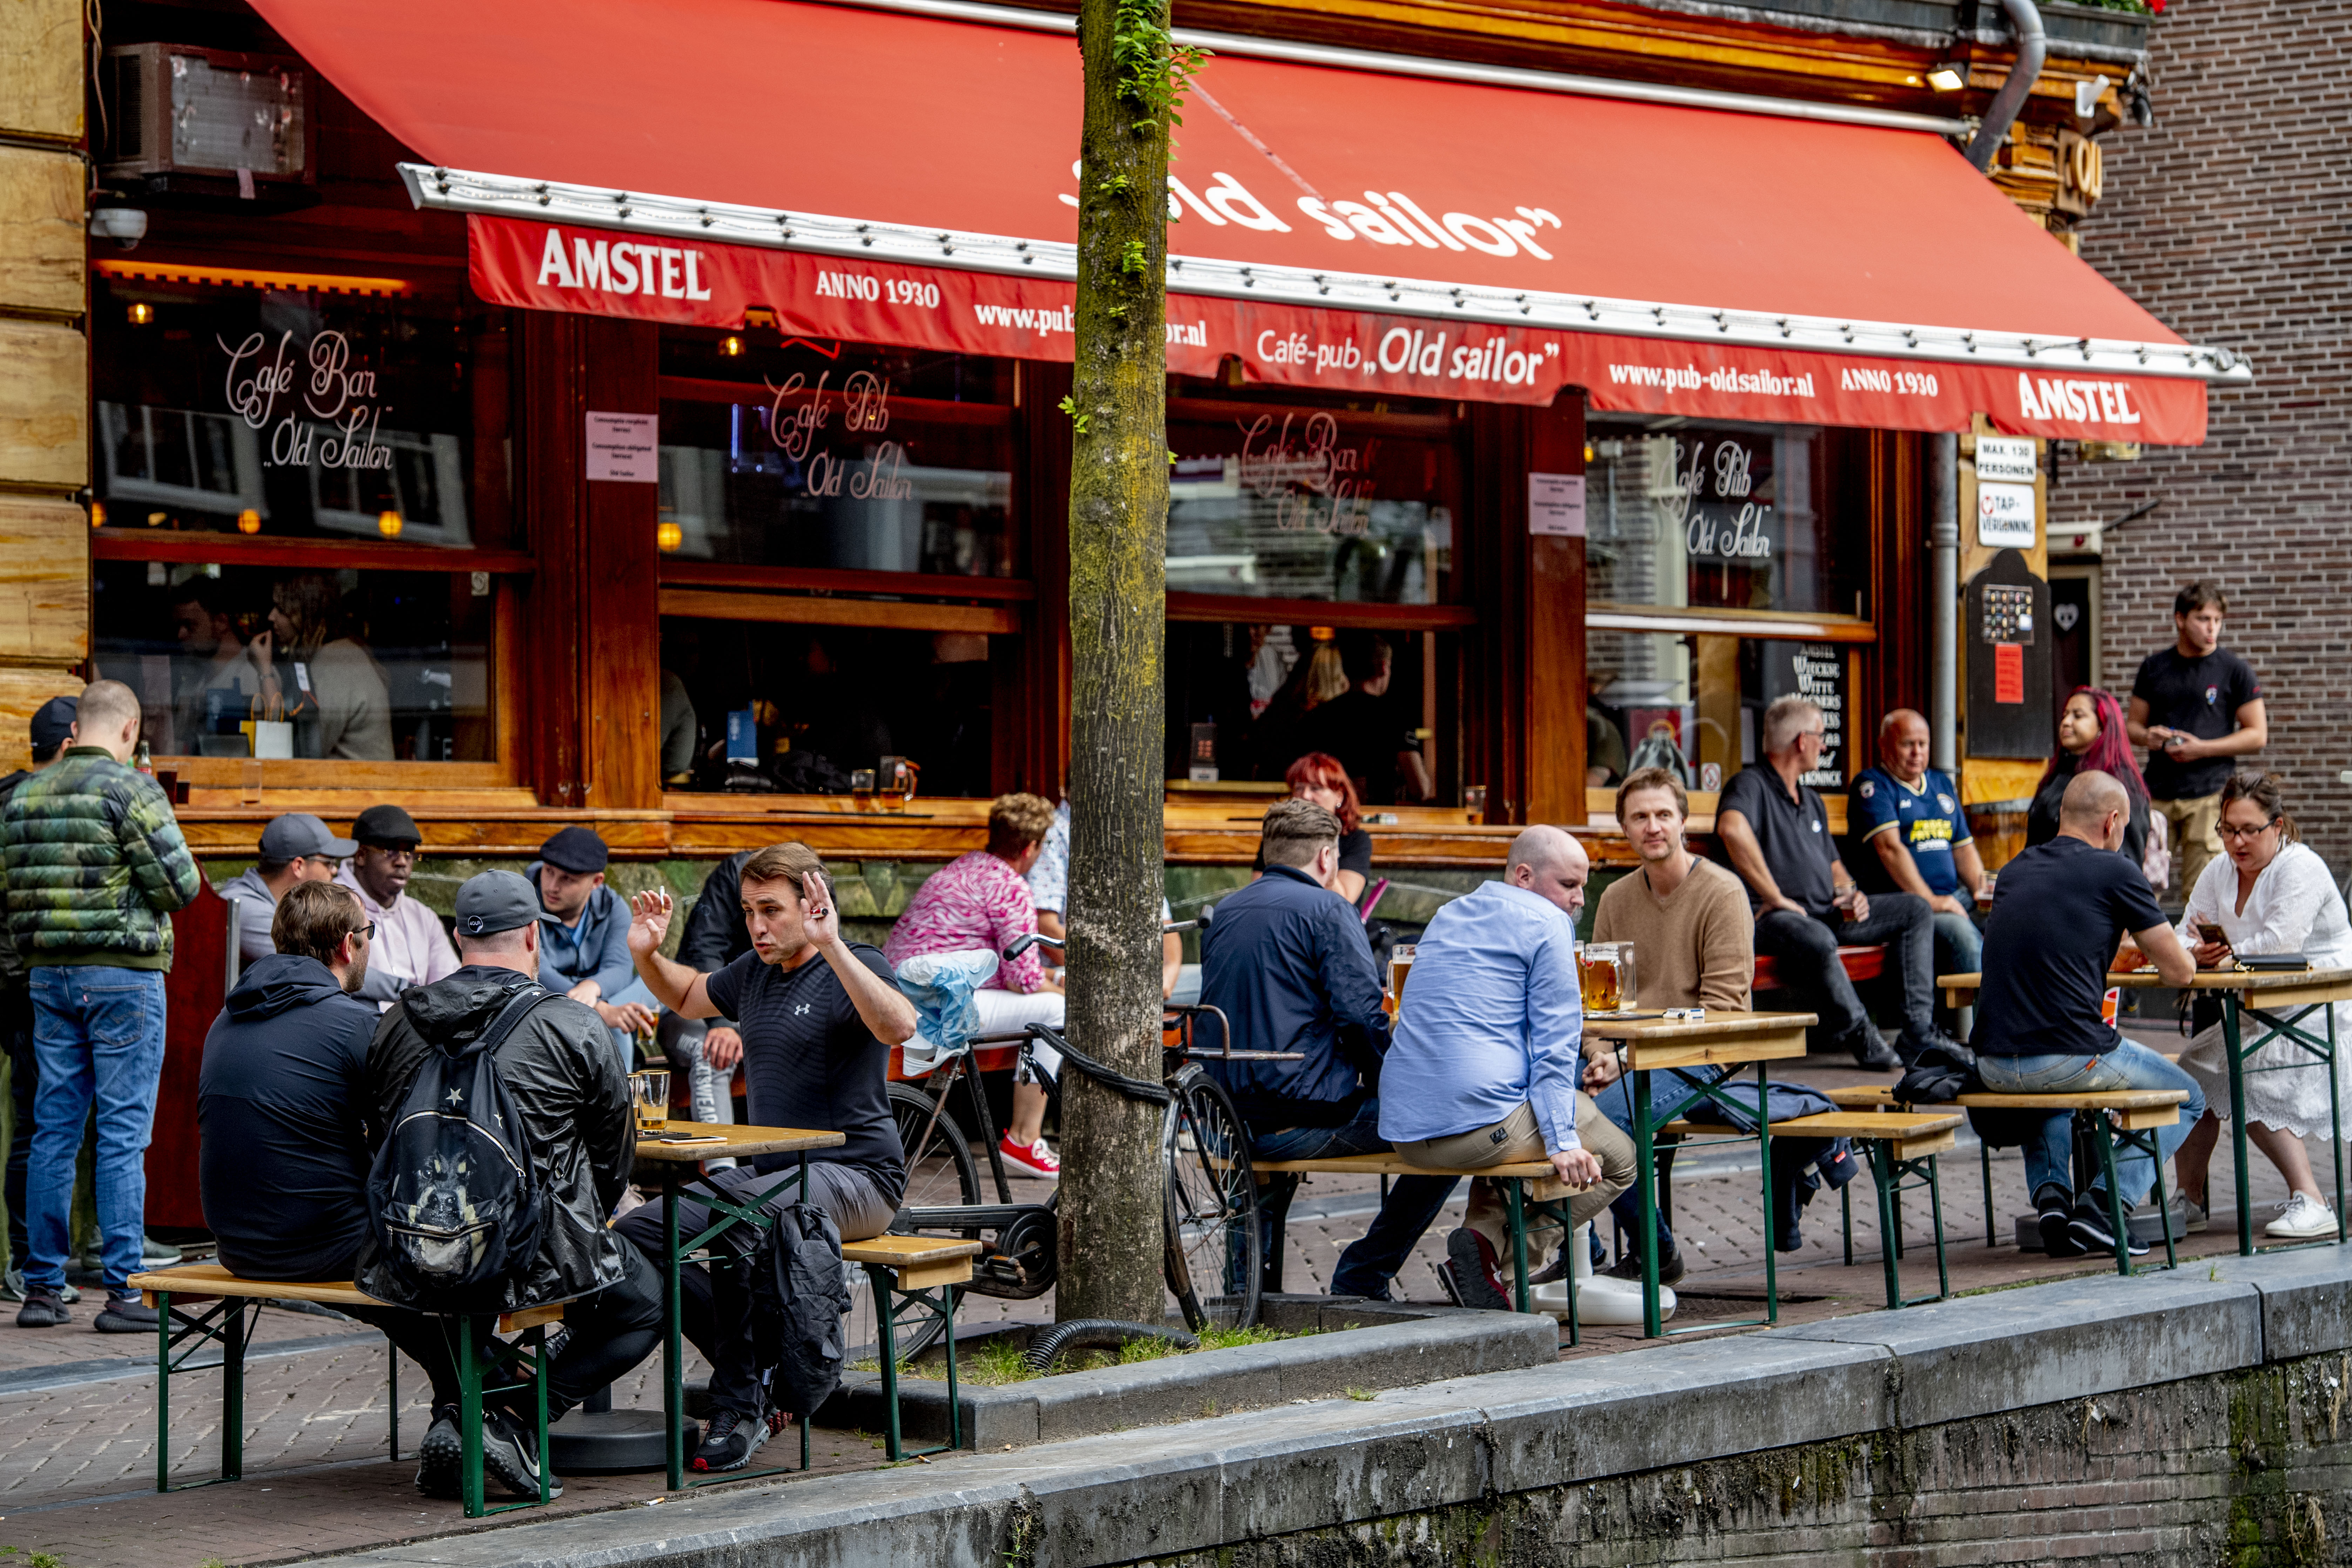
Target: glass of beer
column 861, row 787
column 1400, row 965
column 1597, row 977
column 1474, row 804
column 650, row 1091
column 1625, row 1003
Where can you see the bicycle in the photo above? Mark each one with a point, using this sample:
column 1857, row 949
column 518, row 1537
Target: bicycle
column 1209, row 1211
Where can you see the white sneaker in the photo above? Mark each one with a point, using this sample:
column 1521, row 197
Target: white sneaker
column 2305, row 1218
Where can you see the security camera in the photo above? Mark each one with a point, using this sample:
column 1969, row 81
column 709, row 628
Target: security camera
column 124, row 225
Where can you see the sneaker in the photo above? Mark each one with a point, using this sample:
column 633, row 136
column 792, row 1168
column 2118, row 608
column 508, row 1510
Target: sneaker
column 1445, row 1272
column 1475, row 1278
column 43, row 1309
column 1669, row 1268
column 2305, row 1218
column 2057, row 1211
column 157, row 1254
column 1036, row 1160
column 510, row 1452
column 1871, row 1050
column 126, row 1314
column 2090, row 1231
column 2190, row 1217
column 12, row 1285
column 730, row 1439
column 441, row 1458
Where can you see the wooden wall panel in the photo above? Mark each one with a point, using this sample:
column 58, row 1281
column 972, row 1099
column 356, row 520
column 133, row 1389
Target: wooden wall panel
column 619, row 564
column 23, row 689
column 40, row 69
column 549, row 458
column 44, row 580
column 44, row 406
column 1555, row 627
column 41, row 244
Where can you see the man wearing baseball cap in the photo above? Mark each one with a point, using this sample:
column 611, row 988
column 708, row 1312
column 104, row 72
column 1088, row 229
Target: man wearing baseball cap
column 52, row 729
column 584, row 937
column 411, row 949
column 297, row 847
column 569, row 1091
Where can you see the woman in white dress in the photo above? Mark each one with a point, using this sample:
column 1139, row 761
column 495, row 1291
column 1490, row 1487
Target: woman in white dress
column 2267, row 893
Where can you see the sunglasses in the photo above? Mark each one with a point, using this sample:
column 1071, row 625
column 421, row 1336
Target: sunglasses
column 367, row 931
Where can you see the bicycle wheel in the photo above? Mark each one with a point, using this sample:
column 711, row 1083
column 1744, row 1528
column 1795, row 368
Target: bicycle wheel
column 941, row 1172
column 1214, row 1245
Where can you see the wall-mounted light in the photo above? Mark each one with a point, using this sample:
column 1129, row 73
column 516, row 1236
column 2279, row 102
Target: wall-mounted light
column 141, row 312
column 731, row 346
column 249, row 522
column 1949, row 76
column 98, row 514
column 155, row 519
column 388, row 525
column 669, row 536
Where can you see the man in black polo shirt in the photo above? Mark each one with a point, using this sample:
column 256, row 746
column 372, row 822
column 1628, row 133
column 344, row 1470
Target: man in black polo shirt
column 817, row 1016
column 2041, row 1027
column 1777, row 834
column 2197, row 708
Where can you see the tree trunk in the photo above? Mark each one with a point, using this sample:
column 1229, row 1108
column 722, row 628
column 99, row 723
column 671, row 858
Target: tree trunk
column 1110, row 1245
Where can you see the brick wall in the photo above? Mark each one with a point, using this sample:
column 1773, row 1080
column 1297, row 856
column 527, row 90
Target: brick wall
column 2229, row 221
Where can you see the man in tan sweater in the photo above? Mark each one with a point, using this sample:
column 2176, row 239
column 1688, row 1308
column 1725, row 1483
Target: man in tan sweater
column 1694, row 946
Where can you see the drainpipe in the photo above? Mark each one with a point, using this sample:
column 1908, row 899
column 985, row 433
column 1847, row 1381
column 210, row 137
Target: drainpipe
column 1944, row 546
column 2031, row 47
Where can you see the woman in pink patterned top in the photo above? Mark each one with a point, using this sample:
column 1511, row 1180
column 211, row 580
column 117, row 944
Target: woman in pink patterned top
column 982, row 900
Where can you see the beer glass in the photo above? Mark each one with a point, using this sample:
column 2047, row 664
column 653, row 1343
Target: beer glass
column 1625, row 1002
column 1400, row 965
column 1474, row 804
column 1597, row 977
column 861, row 787
column 650, row 1091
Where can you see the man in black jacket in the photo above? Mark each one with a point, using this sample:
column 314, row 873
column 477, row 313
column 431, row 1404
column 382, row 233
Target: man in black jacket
column 567, row 1087
column 1288, row 964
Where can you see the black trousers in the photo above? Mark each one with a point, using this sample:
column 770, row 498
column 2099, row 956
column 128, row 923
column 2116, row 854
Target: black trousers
column 608, row 1334
column 1806, row 950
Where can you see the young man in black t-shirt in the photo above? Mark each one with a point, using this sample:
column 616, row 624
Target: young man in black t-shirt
column 2196, row 708
column 2061, row 908
column 817, row 1017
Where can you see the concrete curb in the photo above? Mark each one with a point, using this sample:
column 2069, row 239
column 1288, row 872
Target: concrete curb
column 1197, row 1484
column 1324, row 1365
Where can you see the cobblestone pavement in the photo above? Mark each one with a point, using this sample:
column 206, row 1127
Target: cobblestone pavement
column 76, row 1409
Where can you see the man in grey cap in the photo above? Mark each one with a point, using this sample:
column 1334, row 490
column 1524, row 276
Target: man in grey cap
column 296, row 847
column 569, row 1091
column 584, row 937
column 411, row 949
column 53, row 729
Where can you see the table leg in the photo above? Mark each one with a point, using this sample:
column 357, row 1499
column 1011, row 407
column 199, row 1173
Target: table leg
column 469, row 1419
column 2116, row 1216
column 1884, row 1175
column 2231, row 1035
column 1764, row 1160
column 1520, row 1246
column 162, row 1391
column 1644, row 1154
column 391, row 1386
column 673, row 1353
column 1936, row 1207
column 233, row 1393
column 2336, row 1117
column 1984, row 1158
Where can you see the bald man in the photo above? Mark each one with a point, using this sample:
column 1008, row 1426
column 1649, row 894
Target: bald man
column 1486, row 1065
column 1911, row 835
column 2061, row 908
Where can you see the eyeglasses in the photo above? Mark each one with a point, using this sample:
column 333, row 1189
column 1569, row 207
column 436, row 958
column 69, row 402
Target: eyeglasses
column 1821, row 734
column 2226, row 831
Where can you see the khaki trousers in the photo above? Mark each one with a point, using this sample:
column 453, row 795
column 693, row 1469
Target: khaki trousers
column 2196, row 833
column 1517, row 1138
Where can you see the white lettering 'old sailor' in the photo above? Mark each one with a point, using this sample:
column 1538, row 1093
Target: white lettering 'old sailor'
column 619, row 267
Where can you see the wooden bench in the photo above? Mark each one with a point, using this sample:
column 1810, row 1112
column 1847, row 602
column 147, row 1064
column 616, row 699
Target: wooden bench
column 480, row 1356
column 913, row 1276
column 1861, row 964
column 2131, row 1117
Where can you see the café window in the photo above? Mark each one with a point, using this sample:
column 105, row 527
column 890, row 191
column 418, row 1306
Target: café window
column 256, row 662
column 1292, row 502
column 271, row 414
column 848, row 459
column 1694, row 704
column 1729, row 517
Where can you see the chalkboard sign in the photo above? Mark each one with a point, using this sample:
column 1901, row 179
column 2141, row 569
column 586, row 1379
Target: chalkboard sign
column 1817, row 672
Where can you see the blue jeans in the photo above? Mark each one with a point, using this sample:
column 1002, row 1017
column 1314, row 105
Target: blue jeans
column 98, row 1036
column 1667, row 1086
column 1369, row 1263
column 1959, row 947
column 2050, row 1157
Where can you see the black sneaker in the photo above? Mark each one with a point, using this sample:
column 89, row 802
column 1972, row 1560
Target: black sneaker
column 43, row 1309
column 510, row 1452
column 732, row 1438
column 126, row 1314
column 441, row 1458
column 1871, row 1050
column 1445, row 1272
column 2057, row 1208
column 1669, row 1268
column 2091, row 1231
column 1475, row 1278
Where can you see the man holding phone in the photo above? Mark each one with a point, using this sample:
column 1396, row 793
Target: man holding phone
column 2197, row 708
column 817, row 1017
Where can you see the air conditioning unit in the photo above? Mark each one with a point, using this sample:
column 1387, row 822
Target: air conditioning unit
column 209, row 123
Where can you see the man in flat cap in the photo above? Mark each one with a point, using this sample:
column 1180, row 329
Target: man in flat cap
column 569, row 1091
column 411, row 949
column 297, row 847
column 584, row 937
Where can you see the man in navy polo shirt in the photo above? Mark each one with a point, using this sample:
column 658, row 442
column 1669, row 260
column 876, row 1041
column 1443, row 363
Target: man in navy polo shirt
column 1912, row 837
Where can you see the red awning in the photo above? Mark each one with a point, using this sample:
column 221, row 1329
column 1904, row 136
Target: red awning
column 894, row 176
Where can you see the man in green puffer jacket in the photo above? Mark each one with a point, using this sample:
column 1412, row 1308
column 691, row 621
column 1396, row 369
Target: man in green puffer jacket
column 95, row 866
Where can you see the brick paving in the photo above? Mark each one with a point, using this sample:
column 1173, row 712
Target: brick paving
column 76, row 1414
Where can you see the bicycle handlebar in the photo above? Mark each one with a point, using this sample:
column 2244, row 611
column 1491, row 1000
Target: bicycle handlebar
column 1021, row 944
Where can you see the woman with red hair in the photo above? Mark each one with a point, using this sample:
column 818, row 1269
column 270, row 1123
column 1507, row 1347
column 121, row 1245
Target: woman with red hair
column 2091, row 735
column 1320, row 777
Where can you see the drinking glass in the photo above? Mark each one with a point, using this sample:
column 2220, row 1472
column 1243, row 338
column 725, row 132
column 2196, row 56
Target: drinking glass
column 1625, row 1002
column 1474, row 804
column 861, row 787
column 1597, row 977
column 650, row 1091
column 1400, row 965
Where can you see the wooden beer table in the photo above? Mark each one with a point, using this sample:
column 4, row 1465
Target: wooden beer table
column 2280, row 1000
column 1724, row 1040
column 681, row 1163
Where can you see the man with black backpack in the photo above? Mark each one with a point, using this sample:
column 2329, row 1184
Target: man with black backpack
column 504, row 1136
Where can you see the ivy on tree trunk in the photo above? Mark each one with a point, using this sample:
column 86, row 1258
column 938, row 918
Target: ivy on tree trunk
column 1110, row 1241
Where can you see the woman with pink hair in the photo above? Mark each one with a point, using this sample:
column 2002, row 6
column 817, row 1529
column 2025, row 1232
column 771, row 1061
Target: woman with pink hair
column 2091, row 735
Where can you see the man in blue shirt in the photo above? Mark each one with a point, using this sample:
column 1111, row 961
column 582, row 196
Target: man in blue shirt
column 1287, row 963
column 584, row 937
column 1488, row 1061
column 1909, row 815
